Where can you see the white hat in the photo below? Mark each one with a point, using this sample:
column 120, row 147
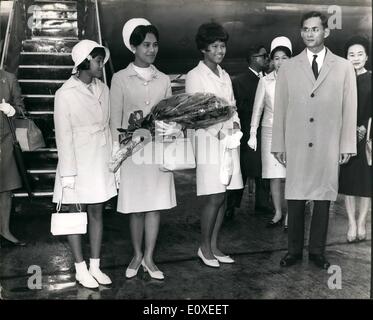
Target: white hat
column 128, row 28
column 281, row 42
column 82, row 50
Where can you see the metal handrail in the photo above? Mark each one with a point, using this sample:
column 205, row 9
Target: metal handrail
column 99, row 34
column 7, row 35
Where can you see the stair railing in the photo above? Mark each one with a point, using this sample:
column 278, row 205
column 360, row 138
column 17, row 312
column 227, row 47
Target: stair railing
column 7, row 36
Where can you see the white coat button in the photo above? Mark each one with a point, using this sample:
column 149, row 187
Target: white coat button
column 147, row 102
column 145, row 83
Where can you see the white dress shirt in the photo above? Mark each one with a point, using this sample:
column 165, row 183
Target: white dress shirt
column 320, row 57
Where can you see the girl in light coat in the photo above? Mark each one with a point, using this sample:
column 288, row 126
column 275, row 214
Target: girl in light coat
column 281, row 50
column 84, row 145
column 214, row 142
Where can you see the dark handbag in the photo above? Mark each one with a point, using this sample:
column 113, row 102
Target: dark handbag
column 28, row 134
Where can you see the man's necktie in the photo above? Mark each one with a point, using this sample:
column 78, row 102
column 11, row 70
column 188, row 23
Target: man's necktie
column 315, row 67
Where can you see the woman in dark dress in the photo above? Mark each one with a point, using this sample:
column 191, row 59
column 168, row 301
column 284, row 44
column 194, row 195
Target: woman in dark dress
column 355, row 180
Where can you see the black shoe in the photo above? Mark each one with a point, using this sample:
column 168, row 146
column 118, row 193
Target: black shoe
column 290, row 259
column 272, row 224
column 229, row 214
column 319, row 260
column 4, row 242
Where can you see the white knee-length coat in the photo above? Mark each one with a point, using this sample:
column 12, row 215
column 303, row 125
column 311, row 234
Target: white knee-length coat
column 84, row 142
column 314, row 122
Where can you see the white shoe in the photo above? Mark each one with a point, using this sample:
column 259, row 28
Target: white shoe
column 224, row 259
column 94, row 270
column 84, row 277
column 154, row 274
column 130, row 273
column 208, row 262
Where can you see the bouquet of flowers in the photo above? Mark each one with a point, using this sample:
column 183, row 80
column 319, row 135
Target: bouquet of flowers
column 191, row 111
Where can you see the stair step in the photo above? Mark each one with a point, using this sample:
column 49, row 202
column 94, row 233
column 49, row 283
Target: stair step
column 56, row 32
column 32, row 86
column 39, row 103
column 44, row 72
column 40, row 182
column 48, row 45
column 22, row 194
column 55, row 15
column 55, row 6
column 41, row 159
column 46, row 125
column 61, row 24
column 44, row 58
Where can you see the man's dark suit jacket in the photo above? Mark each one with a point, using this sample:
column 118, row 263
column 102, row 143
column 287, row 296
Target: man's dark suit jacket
column 244, row 87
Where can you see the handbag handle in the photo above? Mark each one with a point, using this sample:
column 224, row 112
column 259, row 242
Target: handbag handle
column 59, row 203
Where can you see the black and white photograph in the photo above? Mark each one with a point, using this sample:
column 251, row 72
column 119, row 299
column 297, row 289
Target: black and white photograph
column 185, row 155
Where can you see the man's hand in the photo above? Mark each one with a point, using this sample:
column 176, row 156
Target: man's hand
column 344, row 158
column 280, row 157
column 8, row 110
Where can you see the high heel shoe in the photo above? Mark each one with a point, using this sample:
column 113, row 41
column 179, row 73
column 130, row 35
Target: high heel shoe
column 272, row 224
column 361, row 236
column 4, row 242
column 351, row 235
column 154, row 274
column 208, row 262
column 130, row 273
column 224, row 259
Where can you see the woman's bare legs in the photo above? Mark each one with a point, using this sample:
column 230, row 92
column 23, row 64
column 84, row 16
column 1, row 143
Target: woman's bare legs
column 5, row 208
column 350, row 202
column 362, row 219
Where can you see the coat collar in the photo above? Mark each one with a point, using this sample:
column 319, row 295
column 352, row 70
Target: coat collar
column 205, row 69
column 73, row 82
column 131, row 72
column 325, row 69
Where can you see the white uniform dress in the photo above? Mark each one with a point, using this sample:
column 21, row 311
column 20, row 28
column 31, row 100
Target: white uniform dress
column 264, row 100
column 84, row 143
column 209, row 150
column 143, row 187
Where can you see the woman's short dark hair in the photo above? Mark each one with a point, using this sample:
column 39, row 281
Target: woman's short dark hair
column 357, row 40
column 85, row 65
column 209, row 33
column 139, row 34
column 315, row 14
column 284, row 49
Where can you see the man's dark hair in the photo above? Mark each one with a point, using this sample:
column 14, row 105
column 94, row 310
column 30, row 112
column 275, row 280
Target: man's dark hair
column 252, row 51
column 315, row 14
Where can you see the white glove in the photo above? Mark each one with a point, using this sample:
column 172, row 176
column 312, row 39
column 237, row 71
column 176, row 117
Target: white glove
column 116, row 147
column 7, row 109
column 233, row 141
column 167, row 129
column 252, row 143
column 68, row 182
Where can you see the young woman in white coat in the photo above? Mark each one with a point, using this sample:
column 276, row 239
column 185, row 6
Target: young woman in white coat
column 84, row 145
column 213, row 142
column 144, row 189
column 281, row 51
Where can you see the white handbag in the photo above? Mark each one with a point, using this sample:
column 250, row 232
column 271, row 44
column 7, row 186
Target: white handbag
column 68, row 223
column 178, row 155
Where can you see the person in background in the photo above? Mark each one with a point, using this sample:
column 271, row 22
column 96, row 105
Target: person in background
column 281, row 50
column 144, row 190
column 355, row 178
column 244, row 88
column 212, row 143
column 10, row 104
column 314, row 131
column 84, row 146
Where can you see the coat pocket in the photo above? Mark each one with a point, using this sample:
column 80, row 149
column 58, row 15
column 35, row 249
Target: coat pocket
column 81, row 139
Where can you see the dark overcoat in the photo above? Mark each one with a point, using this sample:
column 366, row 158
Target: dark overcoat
column 11, row 93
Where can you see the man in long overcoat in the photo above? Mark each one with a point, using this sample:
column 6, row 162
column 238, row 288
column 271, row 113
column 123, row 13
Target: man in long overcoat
column 314, row 131
column 244, row 87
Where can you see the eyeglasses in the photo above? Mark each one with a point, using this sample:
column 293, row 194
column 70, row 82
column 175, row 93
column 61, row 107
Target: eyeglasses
column 313, row 30
column 264, row 55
